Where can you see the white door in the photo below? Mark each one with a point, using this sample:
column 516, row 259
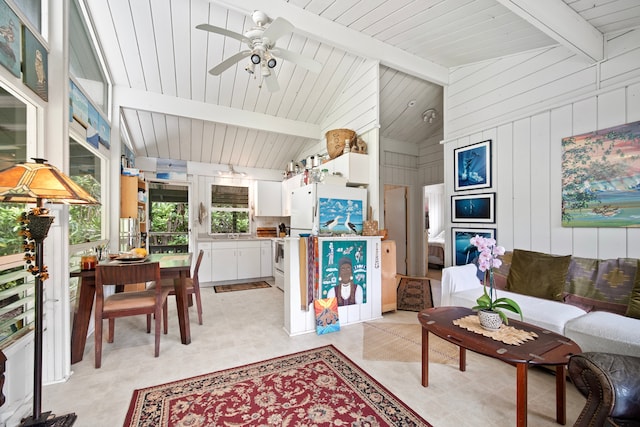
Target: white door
column 395, row 221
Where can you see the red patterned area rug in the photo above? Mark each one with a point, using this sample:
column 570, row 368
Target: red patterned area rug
column 313, row 387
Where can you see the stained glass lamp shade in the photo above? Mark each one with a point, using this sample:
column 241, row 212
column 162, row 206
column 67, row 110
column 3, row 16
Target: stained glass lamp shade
column 35, row 183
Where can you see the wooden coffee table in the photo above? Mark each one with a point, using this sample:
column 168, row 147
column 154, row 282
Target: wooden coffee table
column 548, row 348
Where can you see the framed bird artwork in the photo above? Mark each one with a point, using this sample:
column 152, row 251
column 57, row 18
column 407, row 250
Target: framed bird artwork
column 10, row 39
column 35, row 61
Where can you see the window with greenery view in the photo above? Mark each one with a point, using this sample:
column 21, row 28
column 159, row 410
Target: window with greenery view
column 16, row 283
column 13, row 150
column 229, row 209
column 85, row 222
column 169, row 216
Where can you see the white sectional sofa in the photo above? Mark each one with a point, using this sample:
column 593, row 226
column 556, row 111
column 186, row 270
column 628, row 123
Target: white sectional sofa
column 594, row 330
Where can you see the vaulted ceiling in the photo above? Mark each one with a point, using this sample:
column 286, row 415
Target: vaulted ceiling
column 173, row 108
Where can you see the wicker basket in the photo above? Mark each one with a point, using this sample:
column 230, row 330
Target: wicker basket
column 335, row 141
column 370, row 228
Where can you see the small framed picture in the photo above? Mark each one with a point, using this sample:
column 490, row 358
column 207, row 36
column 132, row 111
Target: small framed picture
column 474, row 208
column 11, row 42
column 36, row 65
column 472, row 166
column 463, row 251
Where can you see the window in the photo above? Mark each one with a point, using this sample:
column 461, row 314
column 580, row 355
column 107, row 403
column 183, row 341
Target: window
column 169, row 216
column 16, row 283
column 85, row 222
column 229, row 209
column 33, row 11
column 84, row 62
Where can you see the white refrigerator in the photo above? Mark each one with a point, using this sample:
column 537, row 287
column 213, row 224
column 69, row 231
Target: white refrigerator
column 328, row 209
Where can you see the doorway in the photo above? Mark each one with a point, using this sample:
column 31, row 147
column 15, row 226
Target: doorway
column 169, row 218
column 395, row 221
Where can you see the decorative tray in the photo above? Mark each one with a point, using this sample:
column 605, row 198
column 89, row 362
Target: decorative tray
column 129, row 258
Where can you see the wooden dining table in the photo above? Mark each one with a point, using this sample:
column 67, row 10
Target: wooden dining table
column 172, row 266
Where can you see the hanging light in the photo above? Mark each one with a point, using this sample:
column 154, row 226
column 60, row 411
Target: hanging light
column 255, row 58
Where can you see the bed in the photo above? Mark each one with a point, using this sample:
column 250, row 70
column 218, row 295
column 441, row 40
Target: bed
column 436, row 249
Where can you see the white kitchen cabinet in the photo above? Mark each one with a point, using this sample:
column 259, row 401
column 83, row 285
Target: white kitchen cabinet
column 204, row 274
column 266, row 259
column 354, row 167
column 268, row 198
column 248, row 259
column 235, row 260
column 224, row 262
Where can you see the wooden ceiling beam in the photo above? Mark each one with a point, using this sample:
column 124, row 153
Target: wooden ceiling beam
column 563, row 24
column 326, row 31
column 136, row 99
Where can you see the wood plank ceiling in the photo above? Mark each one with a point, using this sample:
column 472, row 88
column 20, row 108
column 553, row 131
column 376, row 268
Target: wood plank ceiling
column 173, row 108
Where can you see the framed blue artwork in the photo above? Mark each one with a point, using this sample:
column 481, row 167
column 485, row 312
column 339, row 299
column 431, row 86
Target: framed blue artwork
column 11, row 40
column 472, row 166
column 473, row 208
column 463, row 251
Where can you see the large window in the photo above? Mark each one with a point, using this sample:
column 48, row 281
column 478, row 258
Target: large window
column 229, row 209
column 84, row 62
column 16, row 283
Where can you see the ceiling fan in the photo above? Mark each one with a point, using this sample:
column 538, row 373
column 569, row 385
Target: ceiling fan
column 262, row 51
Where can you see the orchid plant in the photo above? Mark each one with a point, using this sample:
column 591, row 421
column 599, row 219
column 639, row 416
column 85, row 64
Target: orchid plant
column 487, row 261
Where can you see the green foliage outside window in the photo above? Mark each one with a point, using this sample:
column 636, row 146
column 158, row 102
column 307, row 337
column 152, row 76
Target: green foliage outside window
column 10, row 242
column 85, row 222
column 170, row 217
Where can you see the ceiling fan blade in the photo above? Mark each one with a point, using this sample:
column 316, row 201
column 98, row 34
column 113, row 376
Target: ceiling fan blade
column 272, row 83
column 308, row 63
column 223, row 31
column 278, row 28
column 229, row 62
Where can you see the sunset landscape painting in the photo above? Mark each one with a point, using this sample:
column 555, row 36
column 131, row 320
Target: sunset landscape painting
column 601, row 178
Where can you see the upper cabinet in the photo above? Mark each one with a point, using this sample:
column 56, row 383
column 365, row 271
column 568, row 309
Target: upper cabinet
column 268, row 198
column 354, row 167
column 133, row 192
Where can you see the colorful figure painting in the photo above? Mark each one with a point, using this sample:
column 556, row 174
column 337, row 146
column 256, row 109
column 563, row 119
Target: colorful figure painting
column 601, row 178
column 344, row 271
column 10, row 39
column 327, row 319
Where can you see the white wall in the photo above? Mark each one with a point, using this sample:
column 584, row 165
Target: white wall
column 526, row 104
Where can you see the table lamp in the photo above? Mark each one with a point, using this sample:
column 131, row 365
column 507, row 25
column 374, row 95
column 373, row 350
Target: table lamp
column 35, row 183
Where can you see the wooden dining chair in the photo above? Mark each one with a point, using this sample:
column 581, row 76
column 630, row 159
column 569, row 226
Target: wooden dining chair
column 149, row 301
column 192, row 287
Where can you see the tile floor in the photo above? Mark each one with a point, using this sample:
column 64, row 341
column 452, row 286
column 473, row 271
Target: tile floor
column 244, row 327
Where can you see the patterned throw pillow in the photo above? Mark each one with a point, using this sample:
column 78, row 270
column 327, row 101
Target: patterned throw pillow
column 538, row 274
column 603, row 285
column 633, row 309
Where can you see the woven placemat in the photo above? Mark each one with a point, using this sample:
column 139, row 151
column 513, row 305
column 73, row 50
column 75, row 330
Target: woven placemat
column 506, row 334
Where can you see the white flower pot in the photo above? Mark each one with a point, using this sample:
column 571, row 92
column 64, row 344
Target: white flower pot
column 489, row 320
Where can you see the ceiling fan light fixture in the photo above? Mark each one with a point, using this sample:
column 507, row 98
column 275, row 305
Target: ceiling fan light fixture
column 271, row 63
column 255, row 58
column 429, row 115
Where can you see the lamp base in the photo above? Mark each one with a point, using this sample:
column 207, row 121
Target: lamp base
column 46, row 420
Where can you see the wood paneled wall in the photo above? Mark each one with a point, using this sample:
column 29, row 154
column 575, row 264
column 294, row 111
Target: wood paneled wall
column 526, row 104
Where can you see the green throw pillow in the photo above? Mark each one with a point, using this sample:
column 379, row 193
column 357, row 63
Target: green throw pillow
column 633, row 309
column 538, row 274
